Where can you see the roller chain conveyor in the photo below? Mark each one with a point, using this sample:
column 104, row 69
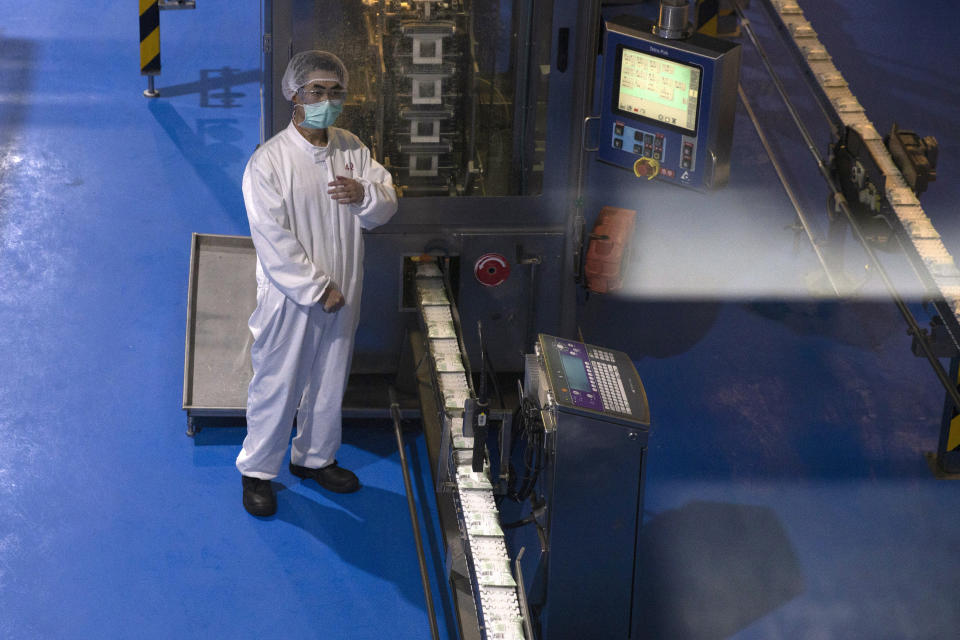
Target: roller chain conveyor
column 922, row 244
column 492, row 583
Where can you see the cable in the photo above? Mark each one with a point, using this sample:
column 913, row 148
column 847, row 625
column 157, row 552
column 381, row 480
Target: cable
column 530, row 430
column 486, row 365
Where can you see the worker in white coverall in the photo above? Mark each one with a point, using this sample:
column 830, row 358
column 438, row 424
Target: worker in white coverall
column 309, row 191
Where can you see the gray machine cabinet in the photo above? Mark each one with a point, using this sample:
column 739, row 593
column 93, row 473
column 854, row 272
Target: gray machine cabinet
column 595, row 489
column 583, row 581
column 511, row 313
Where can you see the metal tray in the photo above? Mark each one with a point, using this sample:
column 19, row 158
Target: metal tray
column 221, row 296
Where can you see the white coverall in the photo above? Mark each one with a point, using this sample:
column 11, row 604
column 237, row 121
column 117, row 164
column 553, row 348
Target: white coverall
column 305, row 241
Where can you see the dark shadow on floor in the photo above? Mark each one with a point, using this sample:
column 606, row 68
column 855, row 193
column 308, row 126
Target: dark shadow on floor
column 373, row 435
column 640, row 328
column 15, row 85
column 864, row 324
column 208, row 150
column 361, row 532
column 218, row 431
column 709, row 569
column 215, row 87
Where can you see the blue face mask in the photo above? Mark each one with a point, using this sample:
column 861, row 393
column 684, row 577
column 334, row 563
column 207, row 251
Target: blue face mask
column 321, row 114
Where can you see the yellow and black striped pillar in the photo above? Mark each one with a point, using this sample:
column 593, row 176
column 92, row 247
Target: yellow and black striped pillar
column 149, row 37
column 948, row 449
column 718, row 18
column 706, row 16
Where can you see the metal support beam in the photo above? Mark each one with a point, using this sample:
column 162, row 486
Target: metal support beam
column 414, row 518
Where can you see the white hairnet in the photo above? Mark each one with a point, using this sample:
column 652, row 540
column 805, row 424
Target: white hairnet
column 307, row 63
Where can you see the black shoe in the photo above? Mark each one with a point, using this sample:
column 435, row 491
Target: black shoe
column 332, row 477
column 258, row 497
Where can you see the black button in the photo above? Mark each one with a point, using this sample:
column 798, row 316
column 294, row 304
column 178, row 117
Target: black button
column 618, row 129
column 637, row 149
column 637, row 135
column 617, row 143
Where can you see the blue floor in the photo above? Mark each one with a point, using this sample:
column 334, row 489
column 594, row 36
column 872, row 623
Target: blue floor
column 787, row 494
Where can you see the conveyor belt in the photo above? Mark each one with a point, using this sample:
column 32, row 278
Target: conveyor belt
column 493, row 586
column 922, row 244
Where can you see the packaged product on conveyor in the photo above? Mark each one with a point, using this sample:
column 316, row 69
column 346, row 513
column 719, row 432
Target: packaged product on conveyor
column 459, row 440
column 482, row 523
column 455, row 391
column 439, row 322
column 439, row 315
column 463, row 456
column 489, row 548
column 454, row 400
column 504, row 629
column 478, row 501
column 428, row 270
column 440, row 328
column 431, row 292
column 455, row 425
column 494, row 573
column 468, row 479
column 446, row 355
column 499, row 602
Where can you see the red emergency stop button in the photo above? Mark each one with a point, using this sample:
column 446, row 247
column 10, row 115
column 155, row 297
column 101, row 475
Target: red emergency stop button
column 646, row 168
column 491, row 269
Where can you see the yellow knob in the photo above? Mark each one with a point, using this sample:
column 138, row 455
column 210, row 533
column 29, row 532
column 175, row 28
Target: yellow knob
column 646, row 168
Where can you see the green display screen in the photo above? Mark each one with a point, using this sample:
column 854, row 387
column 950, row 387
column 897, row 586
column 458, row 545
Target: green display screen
column 658, row 89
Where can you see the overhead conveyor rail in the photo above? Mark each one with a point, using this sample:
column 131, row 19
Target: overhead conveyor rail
column 913, row 230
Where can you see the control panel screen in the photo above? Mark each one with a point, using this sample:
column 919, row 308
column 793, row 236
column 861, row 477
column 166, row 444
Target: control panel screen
column 657, row 89
column 576, row 372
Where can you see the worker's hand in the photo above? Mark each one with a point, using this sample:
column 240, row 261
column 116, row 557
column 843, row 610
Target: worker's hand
column 346, row 190
column 332, row 300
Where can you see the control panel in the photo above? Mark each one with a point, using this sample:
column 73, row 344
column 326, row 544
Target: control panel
column 668, row 105
column 593, row 379
column 654, row 159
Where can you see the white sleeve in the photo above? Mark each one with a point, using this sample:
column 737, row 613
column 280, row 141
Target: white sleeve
column 380, row 198
column 281, row 255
